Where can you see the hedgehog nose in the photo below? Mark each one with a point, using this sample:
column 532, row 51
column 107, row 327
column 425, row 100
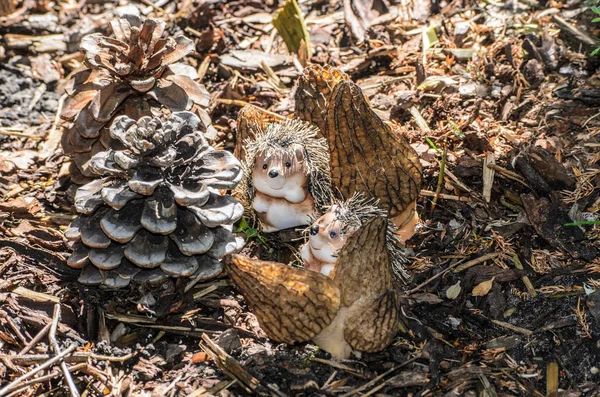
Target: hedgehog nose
column 314, row 230
column 273, row 173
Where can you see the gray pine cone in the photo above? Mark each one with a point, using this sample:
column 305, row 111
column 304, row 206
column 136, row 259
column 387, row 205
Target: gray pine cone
column 157, row 210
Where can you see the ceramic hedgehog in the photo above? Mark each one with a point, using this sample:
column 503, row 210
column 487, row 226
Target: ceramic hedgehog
column 287, row 175
column 329, row 233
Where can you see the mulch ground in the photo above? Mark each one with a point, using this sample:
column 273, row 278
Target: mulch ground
column 501, row 101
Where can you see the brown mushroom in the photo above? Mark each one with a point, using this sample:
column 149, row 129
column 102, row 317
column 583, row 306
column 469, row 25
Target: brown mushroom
column 355, row 309
column 368, row 157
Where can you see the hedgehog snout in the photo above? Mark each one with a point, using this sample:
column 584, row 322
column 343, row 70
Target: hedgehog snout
column 314, row 230
column 273, row 173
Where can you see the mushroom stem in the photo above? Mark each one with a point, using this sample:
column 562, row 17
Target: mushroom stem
column 407, row 222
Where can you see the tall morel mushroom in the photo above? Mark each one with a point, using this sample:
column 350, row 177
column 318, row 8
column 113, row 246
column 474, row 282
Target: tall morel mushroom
column 133, row 73
column 157, row 210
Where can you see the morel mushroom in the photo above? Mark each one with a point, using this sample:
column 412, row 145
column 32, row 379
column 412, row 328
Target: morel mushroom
column 330, row 232
column 368, row 156
column 132, row 74
column 313, row 93
column 357, row 308
column 251, row 121
column 157, row 210
column 287, row 175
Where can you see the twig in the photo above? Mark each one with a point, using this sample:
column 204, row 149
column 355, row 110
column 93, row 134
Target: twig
column 525, row 278
column 419, row 119
column 513, row 327
column 239, row 102
column 230, row 366
column 341, row 366
column 440, row 274
column 579, row 34
column 40, row 379
column 35, row 339
column 509, row 174
column 429, row 193
column 377, row 379
column 476, row 261
column 13, row 132
column 552, row 379
column 54, row 135
column 56, row 349
column 14, row 384
column 16, row 329
column 488, row 176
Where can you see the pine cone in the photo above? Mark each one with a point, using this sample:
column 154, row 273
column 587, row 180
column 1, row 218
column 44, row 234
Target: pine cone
column 157, row 211
column 133, row 74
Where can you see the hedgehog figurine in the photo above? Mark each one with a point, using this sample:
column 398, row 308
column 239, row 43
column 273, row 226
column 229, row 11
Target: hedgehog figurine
column 329, row 233
column 287, row 182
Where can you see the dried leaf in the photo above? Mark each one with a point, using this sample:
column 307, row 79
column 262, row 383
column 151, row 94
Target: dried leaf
column 483, row 288
column 453, row 291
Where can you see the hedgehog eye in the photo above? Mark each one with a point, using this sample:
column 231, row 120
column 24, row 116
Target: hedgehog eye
column 288, row 164
column 264, row 166
column 332, row 235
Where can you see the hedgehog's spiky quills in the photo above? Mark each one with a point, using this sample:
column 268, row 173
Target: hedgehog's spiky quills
column 283, row 138
column 356, row 211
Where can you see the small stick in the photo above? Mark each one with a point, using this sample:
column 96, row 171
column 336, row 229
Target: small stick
column 239, row 102
column 35, row 339
column 13, row 132
column 429, row 193
column 14, row 384
column 419, row 119
column 513, row 327
column 476, row 261
column 56, row 349
column 40, row 379
column 552, row 379
column 230, row 366
column 525, row 278
column 16, row 329
column 440, row 274
column 54, row 135
column 440, row 182
column 377, row 379
column 509, row 174
column 579, row 34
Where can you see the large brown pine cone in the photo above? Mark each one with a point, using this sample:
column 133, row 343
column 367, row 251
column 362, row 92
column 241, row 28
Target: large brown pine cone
column 133, row 73
column 157, row 210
